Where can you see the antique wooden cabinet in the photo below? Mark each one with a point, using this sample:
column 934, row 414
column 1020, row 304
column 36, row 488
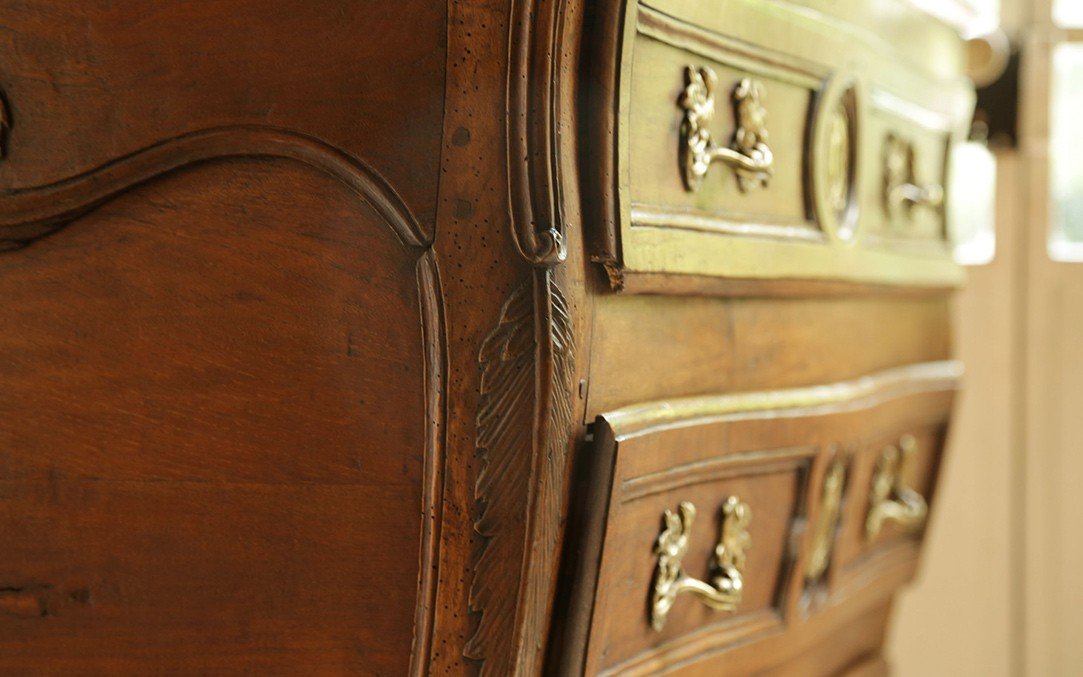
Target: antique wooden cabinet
column 370, row 337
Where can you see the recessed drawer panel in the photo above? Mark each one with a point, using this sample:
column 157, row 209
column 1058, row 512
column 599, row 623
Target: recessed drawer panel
column 716, row 522
column 692, row 535
column 676, row 102
column 770, row 141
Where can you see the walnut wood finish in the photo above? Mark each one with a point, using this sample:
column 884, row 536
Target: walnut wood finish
column 318, row 356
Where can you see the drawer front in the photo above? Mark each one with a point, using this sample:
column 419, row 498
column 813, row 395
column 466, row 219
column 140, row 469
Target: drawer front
column 776, row 142
column 718, row 522
column 748, row 500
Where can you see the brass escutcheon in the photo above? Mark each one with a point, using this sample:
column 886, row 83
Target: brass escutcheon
column 823, row 538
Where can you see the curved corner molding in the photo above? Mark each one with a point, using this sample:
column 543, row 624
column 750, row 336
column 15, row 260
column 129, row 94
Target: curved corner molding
column 535, row 102
column 430, row 290
column 26, row 215
column 748, row 154
column 724, row 589
column 523, row 425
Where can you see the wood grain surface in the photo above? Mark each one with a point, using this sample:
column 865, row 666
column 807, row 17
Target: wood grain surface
column 216, row 451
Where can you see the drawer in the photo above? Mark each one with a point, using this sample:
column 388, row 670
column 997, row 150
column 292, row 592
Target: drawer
column 713, row 523
column 697, row 486
column 807, row 148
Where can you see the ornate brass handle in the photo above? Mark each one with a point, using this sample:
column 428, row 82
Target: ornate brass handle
column 748, row 154
column 891, row 499
column 902, row 191
column 724, row 590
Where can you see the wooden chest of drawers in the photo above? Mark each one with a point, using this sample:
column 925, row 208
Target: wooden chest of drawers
column 498, row 337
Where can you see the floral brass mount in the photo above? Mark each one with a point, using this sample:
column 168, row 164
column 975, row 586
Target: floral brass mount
column 891, row 500
column 723, row 591
column 827, row 522
column 748, row 154
column 902, row 190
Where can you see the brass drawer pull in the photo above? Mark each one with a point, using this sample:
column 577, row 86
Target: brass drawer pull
column 890, row 498
column 902, row 191
column 723, row 592
column 748, row 154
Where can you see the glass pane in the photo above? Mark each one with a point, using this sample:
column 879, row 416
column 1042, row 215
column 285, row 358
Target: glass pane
column 972, row 203
column 988, row 16
column 989, row 11
column 1065, row 156
column 1068, row 13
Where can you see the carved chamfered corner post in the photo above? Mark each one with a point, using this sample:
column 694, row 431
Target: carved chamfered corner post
column 527, row 364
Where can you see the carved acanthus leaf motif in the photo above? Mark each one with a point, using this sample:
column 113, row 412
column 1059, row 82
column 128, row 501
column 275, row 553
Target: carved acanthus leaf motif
column 523, row 421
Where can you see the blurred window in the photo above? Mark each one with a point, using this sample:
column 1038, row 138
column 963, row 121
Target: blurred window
column 989, row 10
column 1068, row 13
column 1066, row 150
column 972, row 207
